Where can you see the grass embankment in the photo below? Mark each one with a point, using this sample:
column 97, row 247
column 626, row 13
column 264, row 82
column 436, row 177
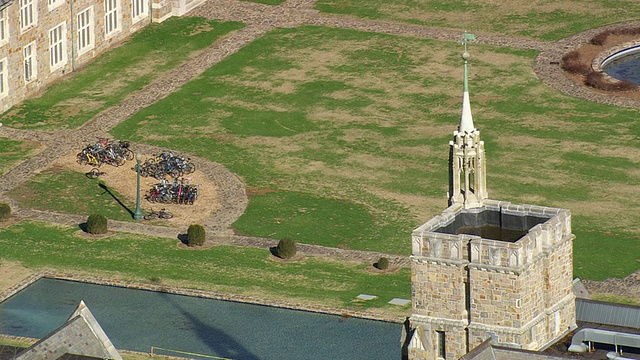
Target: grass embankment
column 112, row 76
column 545, row 21
column 226, row 269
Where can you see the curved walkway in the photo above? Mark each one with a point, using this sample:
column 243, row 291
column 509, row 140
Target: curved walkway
column 260, row 19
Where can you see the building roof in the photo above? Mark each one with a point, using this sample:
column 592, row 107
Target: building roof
column 80, row 335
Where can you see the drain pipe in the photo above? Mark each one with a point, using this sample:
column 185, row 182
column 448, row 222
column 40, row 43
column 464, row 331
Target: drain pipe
column 73, row 38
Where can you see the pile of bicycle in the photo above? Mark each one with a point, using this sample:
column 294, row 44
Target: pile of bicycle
column 176, row 192
column 105, row 151
column 167, row 164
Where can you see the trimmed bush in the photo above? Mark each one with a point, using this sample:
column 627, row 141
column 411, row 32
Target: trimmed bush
column 571, row 63
column 195, row 235
column 5, row 212
column 383, row 263
column 97, row 224
column 599, row 81
column 286, row 249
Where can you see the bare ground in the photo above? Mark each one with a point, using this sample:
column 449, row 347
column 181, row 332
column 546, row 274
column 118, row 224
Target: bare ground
column 123, row 180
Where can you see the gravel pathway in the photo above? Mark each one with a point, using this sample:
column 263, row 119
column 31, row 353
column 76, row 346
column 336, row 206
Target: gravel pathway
column 259, row 19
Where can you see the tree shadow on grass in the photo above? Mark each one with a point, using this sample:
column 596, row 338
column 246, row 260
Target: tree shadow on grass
column 106, row 190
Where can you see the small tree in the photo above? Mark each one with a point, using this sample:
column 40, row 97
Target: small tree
column 97, row 224
column 286, row 249
column 383, row 263
column 5, row 212
column 195, row 235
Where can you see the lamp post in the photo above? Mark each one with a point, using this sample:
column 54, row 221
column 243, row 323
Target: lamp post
column 138, row 214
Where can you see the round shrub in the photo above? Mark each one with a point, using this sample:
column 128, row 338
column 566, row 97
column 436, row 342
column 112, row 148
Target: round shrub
column 383, row 263
column 195, row 235
column 97, row 224
column 5, row 212
column 286, row 249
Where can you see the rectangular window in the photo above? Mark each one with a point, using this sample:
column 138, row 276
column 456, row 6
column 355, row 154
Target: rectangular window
column 28, row 14
column 54, row 4
column 4, row 27
column 58, row 46
column 442, row 350
column 4, row 81
column 111, row 20
column 85, row 31
column 138, row 10
column 30, row 62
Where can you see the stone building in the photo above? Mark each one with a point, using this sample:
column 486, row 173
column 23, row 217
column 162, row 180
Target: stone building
column 42, row 40
column 486, row 269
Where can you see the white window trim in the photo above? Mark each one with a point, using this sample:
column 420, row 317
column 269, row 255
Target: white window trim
column 4, row 78
column 31, row 61
column 114, row 13
column 4, row 27
column 55, row 3
column 25, row 6
column 89, row 27
column 136, row 13
column 60, row 47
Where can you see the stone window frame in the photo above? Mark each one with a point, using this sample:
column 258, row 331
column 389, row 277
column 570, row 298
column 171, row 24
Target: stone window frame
column 28, row 14
column 85, row 32
column 441, row 345
column 139, row 10
column 4, row 27
column 58, row 46
column 29, row 54
column 54, row 3
column 4, row 78
column 112, row 21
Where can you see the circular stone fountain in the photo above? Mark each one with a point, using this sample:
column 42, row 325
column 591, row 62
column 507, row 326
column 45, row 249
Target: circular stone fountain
column 621, row 62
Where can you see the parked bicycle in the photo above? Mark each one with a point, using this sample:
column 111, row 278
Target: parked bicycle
column 95, row 173
column 105, row 151
column 176, row 192
column 162, row 214
column 166, row 163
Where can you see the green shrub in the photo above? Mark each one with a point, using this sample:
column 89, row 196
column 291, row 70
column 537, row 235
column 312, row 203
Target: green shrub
column 195, row 235
column 97, row 224
column 383, row 263
column 5, row 212
column 286, row 249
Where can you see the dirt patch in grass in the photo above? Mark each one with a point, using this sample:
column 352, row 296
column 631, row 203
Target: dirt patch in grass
column 123, row 180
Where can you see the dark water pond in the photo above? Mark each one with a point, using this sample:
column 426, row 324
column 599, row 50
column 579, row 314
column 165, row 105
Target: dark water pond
column 625, row 68
column 138, row 319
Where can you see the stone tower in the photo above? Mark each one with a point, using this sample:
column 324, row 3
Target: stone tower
column 485, row 268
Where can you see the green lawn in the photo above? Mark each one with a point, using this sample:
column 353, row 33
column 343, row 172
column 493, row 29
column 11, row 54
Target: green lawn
column 114, row 75
column 545, row 20
column 72, row 192
column 227, row 269
column 342, row 138
column 345, row 136
column 13, row 152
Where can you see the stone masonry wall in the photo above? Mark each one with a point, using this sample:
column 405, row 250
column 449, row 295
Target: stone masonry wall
column 438, row 290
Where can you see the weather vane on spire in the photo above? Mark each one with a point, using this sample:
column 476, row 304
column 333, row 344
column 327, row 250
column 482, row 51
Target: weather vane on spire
column 467, row 38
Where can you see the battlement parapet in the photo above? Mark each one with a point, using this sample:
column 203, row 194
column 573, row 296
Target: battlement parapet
column 544, row 229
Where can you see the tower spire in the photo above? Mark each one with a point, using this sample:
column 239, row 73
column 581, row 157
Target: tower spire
column 466, row 120
column 467, row 179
